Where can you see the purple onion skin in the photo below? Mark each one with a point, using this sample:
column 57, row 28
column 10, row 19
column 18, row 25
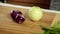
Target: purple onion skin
column 17, row 16
column 13, row 15
column 20, row 19
column 17, row 12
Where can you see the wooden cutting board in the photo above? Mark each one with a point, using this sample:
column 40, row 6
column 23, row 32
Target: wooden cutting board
column 8, row 26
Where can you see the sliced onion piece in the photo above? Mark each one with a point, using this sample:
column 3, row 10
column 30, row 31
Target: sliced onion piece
column 17, row 16
column 20, row 19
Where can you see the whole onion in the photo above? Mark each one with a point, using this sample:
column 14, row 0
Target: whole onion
column 35, row 13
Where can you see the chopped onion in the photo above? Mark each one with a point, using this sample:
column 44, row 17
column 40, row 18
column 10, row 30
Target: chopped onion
column 17, row 16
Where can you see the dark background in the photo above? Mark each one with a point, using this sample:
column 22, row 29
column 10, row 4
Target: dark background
column 41, row 3
column 2, row 1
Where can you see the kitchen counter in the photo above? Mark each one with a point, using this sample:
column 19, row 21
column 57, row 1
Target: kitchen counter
column 8, row 26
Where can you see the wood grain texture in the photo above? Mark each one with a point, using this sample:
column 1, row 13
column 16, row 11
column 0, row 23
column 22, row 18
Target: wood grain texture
column 8, row 26
column 56, row 19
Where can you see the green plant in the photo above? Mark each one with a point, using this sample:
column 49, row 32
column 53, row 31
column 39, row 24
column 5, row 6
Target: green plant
column 53, row 30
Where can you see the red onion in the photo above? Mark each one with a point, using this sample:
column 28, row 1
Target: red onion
column 17, row 16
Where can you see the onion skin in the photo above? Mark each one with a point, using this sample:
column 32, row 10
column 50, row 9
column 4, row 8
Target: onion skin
column 19, row 19
column 17, row 12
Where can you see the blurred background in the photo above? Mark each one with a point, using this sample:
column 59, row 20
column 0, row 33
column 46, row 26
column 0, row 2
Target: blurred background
column 45, row 4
